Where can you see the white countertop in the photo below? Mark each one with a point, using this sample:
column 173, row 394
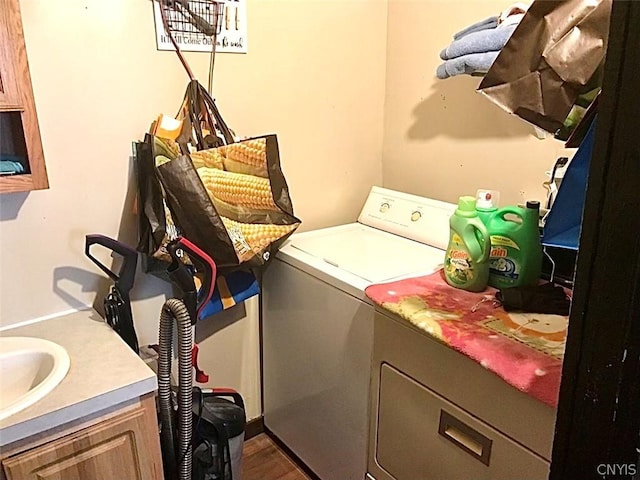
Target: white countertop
column 104, row 372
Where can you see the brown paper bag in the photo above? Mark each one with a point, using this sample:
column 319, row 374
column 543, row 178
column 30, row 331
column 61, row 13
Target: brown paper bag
column 554, row 55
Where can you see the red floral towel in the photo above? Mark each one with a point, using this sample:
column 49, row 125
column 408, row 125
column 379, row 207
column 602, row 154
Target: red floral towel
column 524, row 349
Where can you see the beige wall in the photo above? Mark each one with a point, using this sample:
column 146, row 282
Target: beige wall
column 313, row 77
column 441, row 138
column 99, row 81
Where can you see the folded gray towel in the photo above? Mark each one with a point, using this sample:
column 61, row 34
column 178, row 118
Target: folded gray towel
column 473, row 63
column 491, row 22
column 478, row 42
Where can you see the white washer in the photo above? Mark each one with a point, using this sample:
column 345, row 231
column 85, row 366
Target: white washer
column 318, row 324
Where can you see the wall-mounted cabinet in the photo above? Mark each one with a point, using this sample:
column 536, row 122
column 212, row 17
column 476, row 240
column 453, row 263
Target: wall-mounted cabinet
column 22, row 165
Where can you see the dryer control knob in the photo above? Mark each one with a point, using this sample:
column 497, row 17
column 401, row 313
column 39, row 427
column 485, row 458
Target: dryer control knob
column 384, row 207
column 415, row 216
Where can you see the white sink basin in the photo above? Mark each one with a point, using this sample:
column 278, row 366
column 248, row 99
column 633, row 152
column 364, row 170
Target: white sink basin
column 29, row 369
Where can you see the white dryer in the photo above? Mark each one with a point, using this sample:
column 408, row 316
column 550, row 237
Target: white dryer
column 318, row 324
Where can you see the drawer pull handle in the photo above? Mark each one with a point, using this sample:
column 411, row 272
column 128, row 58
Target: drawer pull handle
column 465, row 437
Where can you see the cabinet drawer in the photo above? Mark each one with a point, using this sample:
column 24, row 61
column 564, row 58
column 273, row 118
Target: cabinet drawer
column 440, row 440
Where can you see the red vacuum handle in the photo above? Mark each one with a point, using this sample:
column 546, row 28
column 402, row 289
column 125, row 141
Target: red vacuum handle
column 210, row 271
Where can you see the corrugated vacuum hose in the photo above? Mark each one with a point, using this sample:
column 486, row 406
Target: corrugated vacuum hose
column 175, row 309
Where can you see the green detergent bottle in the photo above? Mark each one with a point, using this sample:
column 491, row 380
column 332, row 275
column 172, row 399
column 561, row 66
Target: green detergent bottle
column 516, row 252
column 466, row 263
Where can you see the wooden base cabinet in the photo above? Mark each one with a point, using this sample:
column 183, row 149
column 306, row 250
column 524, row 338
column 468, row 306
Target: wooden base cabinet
column 123, row 446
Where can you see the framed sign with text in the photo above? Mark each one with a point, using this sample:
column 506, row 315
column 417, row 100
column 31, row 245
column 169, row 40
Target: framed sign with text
column 187, row 17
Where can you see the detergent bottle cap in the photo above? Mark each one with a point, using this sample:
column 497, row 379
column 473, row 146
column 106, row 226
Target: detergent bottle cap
column 487, row 199
column 467, row 204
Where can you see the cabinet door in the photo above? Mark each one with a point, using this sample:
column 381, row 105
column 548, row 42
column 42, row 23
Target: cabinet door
column 9, row 93
column 123, row 447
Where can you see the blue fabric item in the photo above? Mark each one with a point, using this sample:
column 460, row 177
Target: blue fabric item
column 491, row 22
column 479, row 42
column 10, row 166
column 469, row 64
column 562, row 227
column 241, row 285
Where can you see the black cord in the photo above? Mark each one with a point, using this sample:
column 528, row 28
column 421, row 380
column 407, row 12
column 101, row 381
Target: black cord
column 118, row 316
column 560, row 162
column 112, row 304
column 193, row 432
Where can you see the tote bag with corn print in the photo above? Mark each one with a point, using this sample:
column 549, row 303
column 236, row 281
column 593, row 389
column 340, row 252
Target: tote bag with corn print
column 231, row 200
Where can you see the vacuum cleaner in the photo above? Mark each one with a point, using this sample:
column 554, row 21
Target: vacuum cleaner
column 219, row 429
column 219, row 415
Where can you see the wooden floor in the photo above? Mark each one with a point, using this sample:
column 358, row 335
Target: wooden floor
column 263, row 460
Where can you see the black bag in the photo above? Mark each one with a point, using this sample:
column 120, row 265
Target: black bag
column 155, row 224
column 239, row 231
